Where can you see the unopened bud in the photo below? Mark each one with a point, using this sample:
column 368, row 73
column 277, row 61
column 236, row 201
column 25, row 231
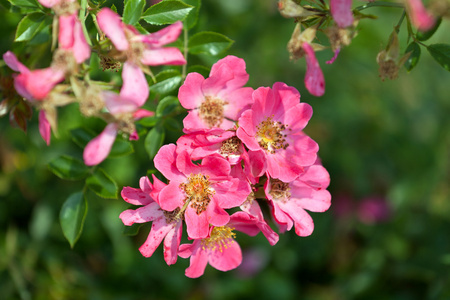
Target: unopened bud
column 290, row 9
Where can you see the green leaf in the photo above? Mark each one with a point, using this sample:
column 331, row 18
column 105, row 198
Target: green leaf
column 167, row 105
column 102, row 184
column 25, row 3
column 132, row 11
column 114, row 8
column 81, row 136
column 166, row 82
column 423, row 36
column 69, row 168
column 149, row 121
column 166, row 12
column 173, row 125
column 211, row 43
column 72, row 216
column 121, row 148
column 132, row 230
column 202, row 70
column 154, row 140
column 192, row 17
column 29, row 26
column 441, row 53
column 413, row 58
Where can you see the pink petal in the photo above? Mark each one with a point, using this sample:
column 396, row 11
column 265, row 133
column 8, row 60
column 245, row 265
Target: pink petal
column 185, row 250
column 231, row 195
column 216, row 215
column 135, row 196
column 244, row 222
column 171, row 243
column 159, row 230
column 111, row 24
column 216, row 167
column 49, row 3
column 336, row 53
column 163, row 56
column 236, row 66
column 81, row 49
column 117, row 104
column 226, row 258
column 165, row 162
column 98, row 148
column 12, row 62
column 143, row 214
column 40, row 82
column 298, row 117
column 164, row 36
column 314, row 80
column 185, row 165
column 285, row 97
column 197, row 225
column 198, row 261
column 246, row 131
column 238, row 101
column 190, row 93
column 420, row 18
column 65, row 31
column 135, row 86
column 303, row 222
column 142, row 113
column 316, row 176
column 214, row 84
column 341, row 10
column 171, row 197
column 44, row 127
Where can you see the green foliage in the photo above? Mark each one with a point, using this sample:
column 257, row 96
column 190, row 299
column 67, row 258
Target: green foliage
column 72, row 216
column 102, row 184
column 166, row 12
column 167, row 105
column 192, row 17
column 207, row 42
column 166, row 82
column 132, row 11
column 154, row 140
column 414, row 50
column 30, row 25
column 68, row 167
column 423, row 36
column 441, row 53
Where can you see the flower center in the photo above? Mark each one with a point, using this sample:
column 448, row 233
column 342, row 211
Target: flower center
column 279, row 190
column 221, row 237
column 270, row 135
column 211, row 111
column 198, row 192
column 231, row 146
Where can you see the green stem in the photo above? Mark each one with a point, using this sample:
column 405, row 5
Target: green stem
column 185, row 51
column 82, row 17
column 397, row 28
column 380, row 4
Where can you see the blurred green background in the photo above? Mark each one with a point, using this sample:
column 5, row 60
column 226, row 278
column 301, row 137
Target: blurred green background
column 385, row 144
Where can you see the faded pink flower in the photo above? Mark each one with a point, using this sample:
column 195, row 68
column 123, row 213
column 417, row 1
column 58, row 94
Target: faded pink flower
column 314, row 80
column 219, row 100
column 290, row 199
column 420, row 18
column 214, row 141
column 71, row 37
column 219, row 248
column 341, row 10
column 372, row 210
column 274, row 127
column 166, row 225
column 33, row 85
column 204, row 191
column 145, row 49
column 124, row 107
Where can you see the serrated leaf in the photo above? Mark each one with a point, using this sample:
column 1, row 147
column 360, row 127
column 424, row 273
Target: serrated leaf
column 211, row 43
column 423, row 36
column 154, row 140
column 192, row 17
column 413, row 58
column 167, row 105
column 114, row 8
column 68, row 167
column 29, row 26
column 166, row 82
column 132, row 11
column 121, row 148
column 102, row 184
column 166, row 12
column 441, row 53
column 72, row 216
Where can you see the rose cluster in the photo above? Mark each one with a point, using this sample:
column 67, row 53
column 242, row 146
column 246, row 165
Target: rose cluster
column 241, row 147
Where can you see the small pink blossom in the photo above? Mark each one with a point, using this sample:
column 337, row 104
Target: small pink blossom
column 204, row 191
column 314, row 80
column 166, row 225
column 341, row 10
column 124, row 107
column 219, row 248
column 139, row 48
column 219, row 100
column 71, row 37
column 420, row 18
column 290, row 199
column 373, row 210
column 274, row 127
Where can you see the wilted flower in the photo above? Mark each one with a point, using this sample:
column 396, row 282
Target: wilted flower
column 389, row 60
column 341, row 10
